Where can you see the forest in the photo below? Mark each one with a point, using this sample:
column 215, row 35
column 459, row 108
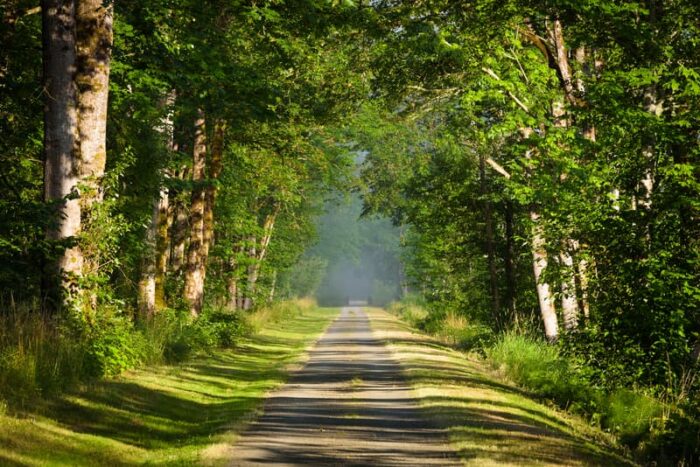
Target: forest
column 519, row 179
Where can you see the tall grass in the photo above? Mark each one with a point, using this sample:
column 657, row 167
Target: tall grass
column 541, row 369
column 275, row 312
column 41, row 356
column 449, row 326
column 35, row 359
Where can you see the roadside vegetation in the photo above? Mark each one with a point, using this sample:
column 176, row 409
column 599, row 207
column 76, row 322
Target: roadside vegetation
column 168, row 414
column 529, row 170
column 649, row 428
column 491, row 421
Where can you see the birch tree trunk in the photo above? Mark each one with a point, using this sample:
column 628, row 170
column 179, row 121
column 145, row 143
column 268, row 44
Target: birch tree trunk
column 540, row 260
column 569, row 299
column 162, row 247
column 232, row 285
column 254, row 269
column 165, row 213
column 154, row 262
column 655, row 106
column 61, row 168
column 246, row 301
column 544, row 294
column 147, row 283
column 195, row 267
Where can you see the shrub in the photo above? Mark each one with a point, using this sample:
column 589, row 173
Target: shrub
column 631, row 415
column 40, row 356
column 112, row 346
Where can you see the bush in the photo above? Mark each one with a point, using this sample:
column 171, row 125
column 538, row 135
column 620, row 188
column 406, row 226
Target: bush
column 677, row 442
column 112, row 346
column 631, row 415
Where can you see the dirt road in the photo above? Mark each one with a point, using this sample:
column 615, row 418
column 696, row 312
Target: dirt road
column 349, row 405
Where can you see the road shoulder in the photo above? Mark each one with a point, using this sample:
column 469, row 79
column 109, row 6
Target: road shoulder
column 490, row 422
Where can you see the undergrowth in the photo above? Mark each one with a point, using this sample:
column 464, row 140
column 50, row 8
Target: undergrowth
column 665, row 432
column 43, row 356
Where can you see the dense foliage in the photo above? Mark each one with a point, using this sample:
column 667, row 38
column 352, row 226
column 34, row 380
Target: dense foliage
column 539, row 161
column 543, row 158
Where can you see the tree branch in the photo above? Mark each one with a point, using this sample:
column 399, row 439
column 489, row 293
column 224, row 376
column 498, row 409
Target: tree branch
column 498, row 167
column 520, row 103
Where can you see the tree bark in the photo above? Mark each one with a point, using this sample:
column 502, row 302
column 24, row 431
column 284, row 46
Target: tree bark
column 165, row 213
column 155, row 260
column 569, row 300
column 94, row 52
column 61, row 162
column 162, row 247
column 655, row 106
column 509, row 253
column 147, row 283
column 179, row 227
column 539, row 265
column 215, row 167
column 490, row 246
column 254, row 268
column 195, row 267
column 544, row 294
column 251, row 273
column 232, row 284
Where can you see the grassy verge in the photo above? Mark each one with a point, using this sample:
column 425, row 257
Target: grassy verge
column 490, row 422
column 164, row 415
column 651, row 429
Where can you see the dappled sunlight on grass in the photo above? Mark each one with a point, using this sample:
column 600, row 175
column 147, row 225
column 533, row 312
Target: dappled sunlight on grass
column 162, row 415
column 490, row 422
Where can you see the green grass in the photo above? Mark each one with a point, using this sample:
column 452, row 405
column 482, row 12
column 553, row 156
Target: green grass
column 490, row 421
column 165, row 415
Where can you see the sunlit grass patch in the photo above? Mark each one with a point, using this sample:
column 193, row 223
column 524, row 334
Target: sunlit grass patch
column 490, row 422
column 166, row 415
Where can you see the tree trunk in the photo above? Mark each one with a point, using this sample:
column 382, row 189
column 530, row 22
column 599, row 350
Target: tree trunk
column 490, row 246
column 271, row 297
column 215, row 166
column 569, row 300
column 179, row 228
column 155, row 260
column 147, row 284
column 195, row 266
column 165, row 213
column 61, row 168
column 254, row 269
column 655, row 106
column 539, row 264
column 232, row 286
column 94, row 51
column 162, row 247
column 251, row 273
column 509, row 253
